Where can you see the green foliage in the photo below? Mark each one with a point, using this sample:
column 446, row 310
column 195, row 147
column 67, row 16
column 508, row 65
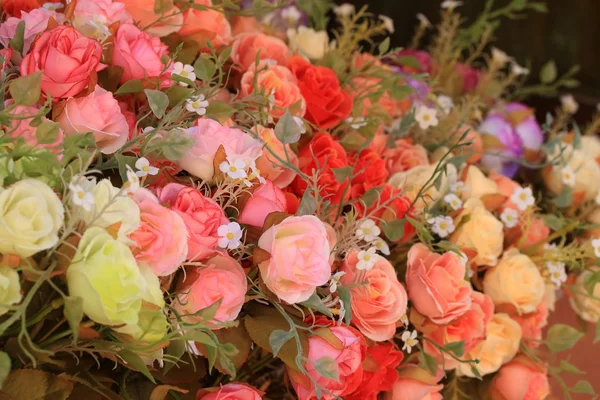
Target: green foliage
column 308, row 204
column 18, row 41
column 4, row 367
column 428, row 363
column 26, row 90
column 73, row 312
column 277, row 339
column 562, row 337
column 158, row 102
column 548, row 73
column 317, row 11
column 327, row 368
column 287, row 130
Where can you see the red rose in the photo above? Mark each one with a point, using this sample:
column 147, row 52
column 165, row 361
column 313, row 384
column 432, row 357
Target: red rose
column 369, row 169
column 326, row 103
column 379, row 371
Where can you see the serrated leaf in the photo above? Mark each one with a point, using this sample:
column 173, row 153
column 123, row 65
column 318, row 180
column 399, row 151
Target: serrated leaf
column 327, row 367
column 384, row 46
column 315, row 303
column 4, row 367
column 570, row 368
column 394, row 230
column 584, row 387
column 428, row 363
column 277, row 339
column 456, row 348
column 346, row 298
column 73, row 311
column 18, row 40
column 341, row 174
column 548, row 72
column 308, row 204
column 287, row 129
column 158, row 102
column 204, row 67
column 26, row 90
column 135, row 362
column 562, row 337
column 132, row 86
column 564, row 199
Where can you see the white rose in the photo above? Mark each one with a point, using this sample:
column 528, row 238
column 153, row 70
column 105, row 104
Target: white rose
column 584, row 167
column 308, row 42
column 10, row 289
column 585, row 304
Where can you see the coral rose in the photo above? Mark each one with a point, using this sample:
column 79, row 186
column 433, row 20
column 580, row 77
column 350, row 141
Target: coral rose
column 246, row 47
column 99, row 113
column 267, row 198
column 582, row 302
column 404, row 156
column 520, row 379
column 380, row 302
column 67, row 59
column 202, row 26
column 300, row 248
column 230, row 391
column 22, row 128
column 369, row 169
column 379, row 371
column 155, row 24
column 415, row 383
column 36, row 22
column 327, row 104
column 88, row 12
column 268, row 165
column 533, row 323
column 436, row 284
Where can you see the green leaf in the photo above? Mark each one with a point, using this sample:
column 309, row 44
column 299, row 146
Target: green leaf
column 476, row 372
column 553, row 222
column 177, row 94
column 162, row 6
column 123, row 162
column 428, row 363
column 287, row 129
column 204, row 67
column 4, row 367
column 201, row 337
column 315, row 303
column 394, row 230
column 73, row 312
column 570, row 368
column 18, row 41
column 278, row 338
column 371, row 196
column 47, row 132
column 400, row 92
column 132, row 86
column 346, row 298
column 341, row 174
column 219, row 110
column 176, row 143
column 571, row 83
column 456, row 348
column 584, row 387
column 562, row 337
column 539, row 7
column 211, row 356
column 564, row 199
column 308, row 204
column 158, row 102
column 548, row 72
column 590, row 281
column 327, row 367
column 409, row 61
column 175, row 351
column 134, row 361
column 384, row 46
column 26, row 90
column 208, row 313
column 576, row 136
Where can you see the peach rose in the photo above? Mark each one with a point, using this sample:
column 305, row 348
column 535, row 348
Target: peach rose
column 36, row 22
column 506, row 187
column 499, row 346
column 477, row 185
column 202, row 217
column 533, row 323
column 247, row 45
column 415, row 383
column 267, row 198
column 436, row 284
column 537, row 231
column 414, row 179
column 222, row 279
column 202, row 26
column 378, row 304
column 300, row 248
column 241, row 24
column 106, row 11
column 277, row 81
column 154, row 24
column 98, row 112
column 161, row 239
column 515, row 280
column 520, row 379
column 67, row 59
column 268, row 165
column 404, row 156
column 230, row 391
column 590, row 145
column 482, row 233
column 21, row 128
column 137, row 53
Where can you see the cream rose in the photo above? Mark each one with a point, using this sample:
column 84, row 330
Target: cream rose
column 414, row 179
column 477, row 184
column 499, row 347
column 515, row 280
column 590, row 145
column 10, row 288
column 30, row 217
column 581, row 300
column 482, row 233
column 308, row 42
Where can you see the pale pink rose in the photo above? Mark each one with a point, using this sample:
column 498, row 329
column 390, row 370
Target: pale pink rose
column 161, row 239
column 404, row 156
column 300, row 248
column 348, row 354
column 247, row 45
column 137, row 53
column 276, row 81
column 209, row 136
column 520, row 379
column 415, row 383
column 379, row 301
column 436, row 284
column 267, row 198
column 36, row 22
column 98, row 112
column 230, row 391
column 155, row 24
column 202, row 26
column 268, row 164
column 67, row 59
column 202, row 217
column 105, row 11
column 20, row 128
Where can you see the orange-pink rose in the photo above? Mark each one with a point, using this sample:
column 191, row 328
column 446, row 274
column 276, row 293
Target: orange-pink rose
column 436, row 284
column 247, row 45
column 267, row 198
column 137, row 53
column 21, row 128
column 404, row 156
column 268, row 165
column 98, row 112
column 223, row 279
column 415, row 383
column 230, row 391
column 67, row 59
column 155, row 24
column 300, row 248
column 202, row 26
column 241, row 24
column 378, row 304
column 520, row 379
column 533, row 323
column 107, row 11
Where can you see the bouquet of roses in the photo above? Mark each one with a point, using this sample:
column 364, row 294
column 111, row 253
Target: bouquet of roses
column 242, row 200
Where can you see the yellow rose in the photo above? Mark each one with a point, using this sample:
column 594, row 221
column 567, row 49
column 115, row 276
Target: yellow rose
column 499, row 347
column 30, row 217
column 477, row 184
column 10, row 289
column 581, row 300
column 482, row 232
column 414, row 179
column 515, row 280
column 583, row 167
column 105, row 275
column 308, row 42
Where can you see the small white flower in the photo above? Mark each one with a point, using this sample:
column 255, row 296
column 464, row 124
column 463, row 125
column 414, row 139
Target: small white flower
column 442, row 226
column 300, row 123
column 457, row 187
column 569, row 104
column 291, row 14
column 567, row 176
column 393, row 126
column 499, row 57
column 344, row 10
column 81, row 197
column 388, row 23
column 381, row 245
column 356, row 123
column 558, row 274
column 453, row 201
column 185, row 71
column 596, row 246
column 133, row 182
column 255, row 174
column 197, row 104
column 518, row 70
column 424, row 21
column 462, row 257
column 366, row 259
column 335, row 280
column 522, row 198
column 451, row 5
column 510, row 217
column 234, row 170
column 341, row 313
column 446, row 103
column 597, row 199
column 426, row 117
column 229, row 235
column 52, row 6
column 404, row 319
column 144, row 168
column 99, row 29
column 368, row 230
column 410, row 340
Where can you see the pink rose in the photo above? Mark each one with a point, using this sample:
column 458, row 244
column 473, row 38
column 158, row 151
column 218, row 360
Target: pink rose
column 267, row 163
column 6, row 55
column 67, row 59
column 231, row 391
column 520, row 379
column 154, row 24
column 380, row 302
column 106, row 11
column 98, row 112
column 404, row 156
column 300, row 248
column 348, row 354
column 436, row 284
column 21, row 128
column 209, row 136
column 247, row 45
column 222, row 279
column 137, row 53
column 415, row 383
column 532, row 323
column 36, row 22
column 161, row 240
column 202, row 217
column 201, row 26
column 469, row 76
column 267, row 198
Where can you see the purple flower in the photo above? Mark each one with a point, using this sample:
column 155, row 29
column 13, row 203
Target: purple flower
column 286, row 17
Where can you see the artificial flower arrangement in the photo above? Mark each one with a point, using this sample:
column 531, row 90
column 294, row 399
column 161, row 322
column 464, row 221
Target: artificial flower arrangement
column 213, row 200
